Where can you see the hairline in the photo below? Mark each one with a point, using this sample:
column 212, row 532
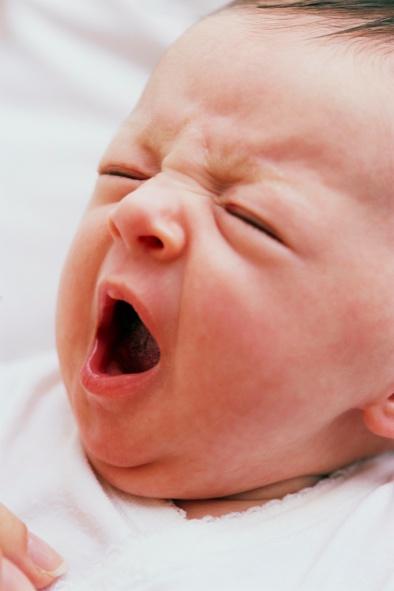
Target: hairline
column 340, row 28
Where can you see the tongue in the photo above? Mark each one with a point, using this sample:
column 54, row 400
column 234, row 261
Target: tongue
column 135, row 350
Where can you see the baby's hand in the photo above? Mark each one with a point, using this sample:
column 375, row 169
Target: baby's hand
column 26, row 562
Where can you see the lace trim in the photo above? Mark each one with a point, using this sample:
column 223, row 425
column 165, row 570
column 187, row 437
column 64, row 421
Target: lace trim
column 285, row 502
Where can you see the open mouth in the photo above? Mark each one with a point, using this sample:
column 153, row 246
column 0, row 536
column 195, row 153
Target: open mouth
column 124, row 343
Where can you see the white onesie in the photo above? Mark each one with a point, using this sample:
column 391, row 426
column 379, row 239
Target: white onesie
column 335, row 536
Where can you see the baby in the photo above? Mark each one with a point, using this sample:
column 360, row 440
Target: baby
column 226, row 325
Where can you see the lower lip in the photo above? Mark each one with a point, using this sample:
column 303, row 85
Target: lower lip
column 107, row 386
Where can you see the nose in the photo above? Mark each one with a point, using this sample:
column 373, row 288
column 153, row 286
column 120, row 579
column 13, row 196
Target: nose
column 151, row 220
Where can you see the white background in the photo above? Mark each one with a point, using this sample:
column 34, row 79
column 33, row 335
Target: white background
column 70, row 71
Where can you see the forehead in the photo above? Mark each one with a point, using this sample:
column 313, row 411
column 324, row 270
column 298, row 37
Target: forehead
column 238, row 94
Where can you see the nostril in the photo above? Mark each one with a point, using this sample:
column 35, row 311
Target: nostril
column 151, row 242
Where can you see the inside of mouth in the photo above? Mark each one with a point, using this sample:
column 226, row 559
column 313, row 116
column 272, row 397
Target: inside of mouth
column 130, row 346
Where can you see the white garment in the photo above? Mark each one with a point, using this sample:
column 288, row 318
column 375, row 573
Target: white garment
column 335, row 536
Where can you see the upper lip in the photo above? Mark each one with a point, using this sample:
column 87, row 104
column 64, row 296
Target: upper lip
column 111, row 291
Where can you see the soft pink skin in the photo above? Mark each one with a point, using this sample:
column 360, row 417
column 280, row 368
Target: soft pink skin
column 277, row 361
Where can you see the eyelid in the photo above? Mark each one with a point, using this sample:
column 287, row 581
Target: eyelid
column 122, row 172
column 253, row 221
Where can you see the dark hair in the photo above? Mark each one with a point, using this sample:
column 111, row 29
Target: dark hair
column 367, row 17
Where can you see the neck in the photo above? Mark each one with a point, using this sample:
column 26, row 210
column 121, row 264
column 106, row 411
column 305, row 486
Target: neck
column 196, row 509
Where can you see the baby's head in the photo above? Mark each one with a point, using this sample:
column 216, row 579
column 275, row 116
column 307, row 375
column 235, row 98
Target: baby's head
column 243, row 216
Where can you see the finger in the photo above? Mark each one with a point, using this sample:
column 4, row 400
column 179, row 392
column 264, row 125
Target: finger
column 13, row 579
column 38, row 561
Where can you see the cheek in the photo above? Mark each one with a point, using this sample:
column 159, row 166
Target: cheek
column 231, row 352
column 363, row 347
column 76, row 290
column 235, row 377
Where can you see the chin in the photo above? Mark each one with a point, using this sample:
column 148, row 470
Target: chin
column 138, row 481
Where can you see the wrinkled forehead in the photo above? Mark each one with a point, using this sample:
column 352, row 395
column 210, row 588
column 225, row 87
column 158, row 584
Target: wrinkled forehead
column 242, row 89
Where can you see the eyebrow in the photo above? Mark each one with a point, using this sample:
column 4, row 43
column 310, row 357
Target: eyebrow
column 224, row 162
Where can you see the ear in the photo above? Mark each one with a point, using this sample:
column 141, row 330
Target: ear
column 379, row 416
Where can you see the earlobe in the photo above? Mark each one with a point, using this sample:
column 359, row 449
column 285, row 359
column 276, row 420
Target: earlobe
column 379, row 417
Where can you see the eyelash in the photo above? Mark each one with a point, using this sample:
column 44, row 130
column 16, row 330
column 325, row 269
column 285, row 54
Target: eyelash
column 132, row 176
column 237, row 212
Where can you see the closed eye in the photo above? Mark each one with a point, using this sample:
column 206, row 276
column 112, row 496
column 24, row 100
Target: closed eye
column 122, row 173
column 252, row 221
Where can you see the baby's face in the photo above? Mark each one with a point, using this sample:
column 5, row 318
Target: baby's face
column 235, row 212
